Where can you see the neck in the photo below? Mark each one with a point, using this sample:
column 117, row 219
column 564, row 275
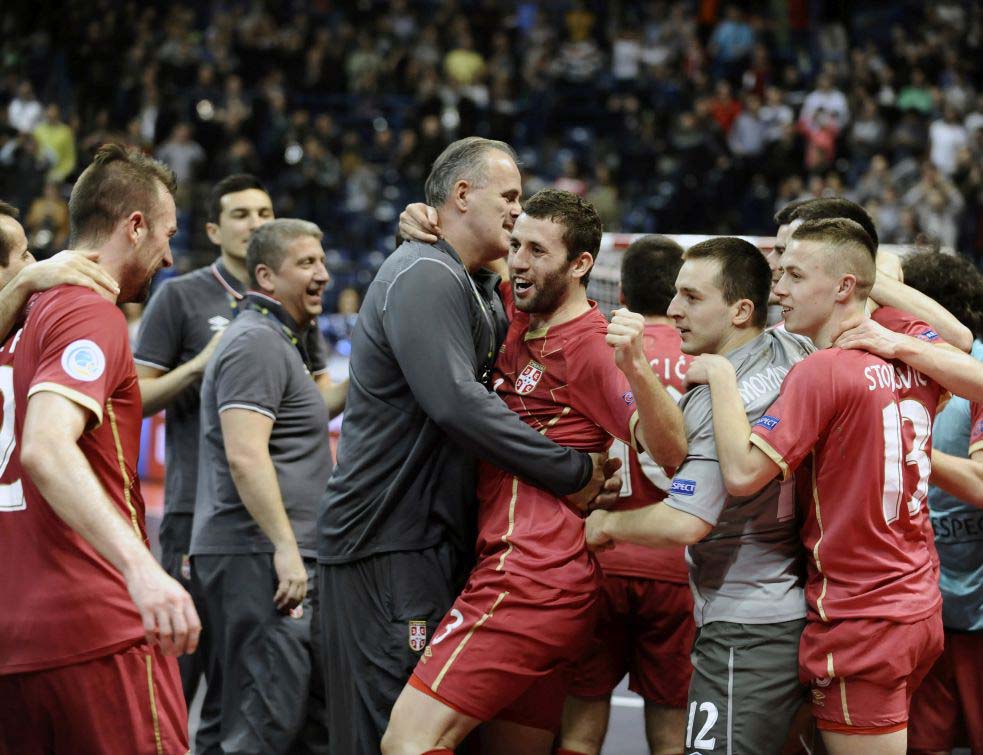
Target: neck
column 737, row 338
column 298, row 318
column 574, row 304
column 474, row 256
column 843, row 318
column 659, row 320
column 110, row 260
column 235, row 266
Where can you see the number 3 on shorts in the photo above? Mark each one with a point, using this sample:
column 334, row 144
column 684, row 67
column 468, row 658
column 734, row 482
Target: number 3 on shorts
column 701, row 742
column 11, row 492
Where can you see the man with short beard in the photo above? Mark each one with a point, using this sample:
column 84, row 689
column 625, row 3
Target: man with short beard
column 92, row 609
column 529, row 604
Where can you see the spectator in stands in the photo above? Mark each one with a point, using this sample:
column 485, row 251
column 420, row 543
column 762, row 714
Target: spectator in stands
column 57, row 142
column 731, row 41
column 827, row 98
column 25, row 111
column 47, row 222
column 183, row 154
column 947, row 136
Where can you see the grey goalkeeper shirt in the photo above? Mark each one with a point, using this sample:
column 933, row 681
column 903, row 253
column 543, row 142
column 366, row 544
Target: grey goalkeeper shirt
column 750, row 568
column 261, row 364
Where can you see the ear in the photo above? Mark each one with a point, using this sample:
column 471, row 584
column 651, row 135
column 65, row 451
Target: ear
column 136, row 227
column 459, row 195
column 213, row 234
column 742, row 313
column 582, row 264
column 265, row 278
column 846, row 288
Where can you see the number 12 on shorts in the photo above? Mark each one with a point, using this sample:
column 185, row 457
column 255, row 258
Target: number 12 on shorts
column 701, row 742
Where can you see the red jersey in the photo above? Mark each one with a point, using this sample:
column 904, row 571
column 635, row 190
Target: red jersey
column 839, row 414
column 11, row 488
column 562, row 381
column 63, row 602
column 645, row 483
column 975, row 428
column 921, row 399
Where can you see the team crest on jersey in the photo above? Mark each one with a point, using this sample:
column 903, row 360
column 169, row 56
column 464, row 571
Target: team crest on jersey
column 218, row 323
column 529, row 378
column 185, row 567
column 83, row 360
column 297, row 612
column 818, row 698
column 418, row 635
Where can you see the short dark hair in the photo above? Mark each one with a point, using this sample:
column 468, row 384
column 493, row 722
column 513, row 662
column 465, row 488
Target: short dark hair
column 828, row 208
column 744, row 272
column 953, row 281
column 120, row 180
column 6, row 243
column 463, row 159
column 648, row 274
column 838, row 230
column 851, row 245
column 784, row 215
column 230, row 185
column 268, row 244
column 581, row 223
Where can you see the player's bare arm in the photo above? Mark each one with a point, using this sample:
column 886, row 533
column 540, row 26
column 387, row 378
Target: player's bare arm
column 660, row 421
column 50, row 454
column 246, row 435
column 745, row 467
column 158, row 387
column 68, row 267
column 962, row 478
column 889, row 292
column 951, row 368
column 333, row 393
column 655, row 526
column 419, row 222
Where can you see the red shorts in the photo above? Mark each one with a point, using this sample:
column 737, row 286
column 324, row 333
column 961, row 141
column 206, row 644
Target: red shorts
column 503, row 650
column 863, row 672
column 645, row 628
column 128, row 702
column 947, row 709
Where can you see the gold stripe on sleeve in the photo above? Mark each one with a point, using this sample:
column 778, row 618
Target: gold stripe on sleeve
column 72, row 395
column 771, row 453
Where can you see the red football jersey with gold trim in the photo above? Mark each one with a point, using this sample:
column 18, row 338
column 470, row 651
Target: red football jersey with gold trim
column 64, row 602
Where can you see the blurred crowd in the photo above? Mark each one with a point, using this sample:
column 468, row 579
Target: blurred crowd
column 676, row 117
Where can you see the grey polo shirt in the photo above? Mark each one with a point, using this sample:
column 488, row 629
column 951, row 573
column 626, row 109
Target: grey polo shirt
column 750, row 568
column 180, row 320
column 420, row 410
column 258, row 367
